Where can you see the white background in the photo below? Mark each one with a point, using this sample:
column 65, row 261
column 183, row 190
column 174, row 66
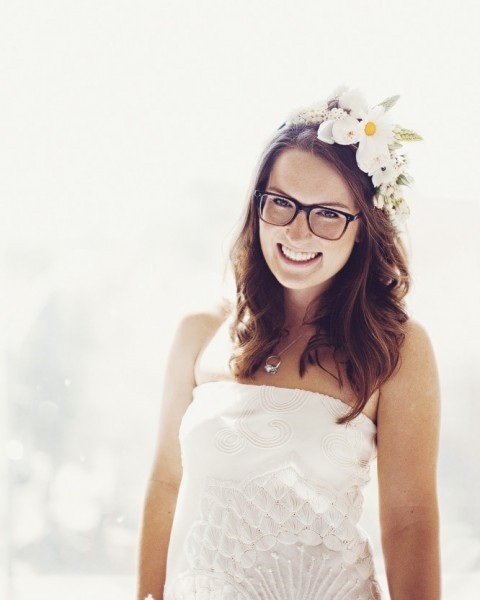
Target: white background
column 129, row 132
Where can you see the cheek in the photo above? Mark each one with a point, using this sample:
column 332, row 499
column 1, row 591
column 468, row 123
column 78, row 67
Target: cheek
column 337, row 256
column 347, row 251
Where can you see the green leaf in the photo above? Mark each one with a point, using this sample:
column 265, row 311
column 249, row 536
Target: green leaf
column 395, row 146
column 389, row 102
column 407, row 135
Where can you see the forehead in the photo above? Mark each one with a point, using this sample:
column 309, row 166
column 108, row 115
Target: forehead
column 309, row 179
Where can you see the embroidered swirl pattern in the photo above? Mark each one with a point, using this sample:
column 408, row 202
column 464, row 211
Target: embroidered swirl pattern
column 233, row 439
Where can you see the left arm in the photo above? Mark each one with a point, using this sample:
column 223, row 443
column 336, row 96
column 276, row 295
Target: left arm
column 407, row 442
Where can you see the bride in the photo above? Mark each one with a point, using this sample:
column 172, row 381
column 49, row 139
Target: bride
column 314, row 370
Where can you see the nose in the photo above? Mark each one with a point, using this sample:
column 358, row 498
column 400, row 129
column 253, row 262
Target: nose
column 299, row 228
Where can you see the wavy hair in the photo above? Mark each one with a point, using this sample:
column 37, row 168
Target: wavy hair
column 362, row 315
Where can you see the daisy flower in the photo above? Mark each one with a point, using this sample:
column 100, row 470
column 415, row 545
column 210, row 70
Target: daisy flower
column 376, row 133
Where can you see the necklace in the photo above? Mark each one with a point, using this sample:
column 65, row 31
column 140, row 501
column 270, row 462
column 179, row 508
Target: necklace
column 273, row 362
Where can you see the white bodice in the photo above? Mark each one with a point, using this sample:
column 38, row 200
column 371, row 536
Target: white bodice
column 270, row 498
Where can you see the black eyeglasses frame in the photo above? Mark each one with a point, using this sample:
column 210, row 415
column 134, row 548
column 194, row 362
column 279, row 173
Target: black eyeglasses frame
column 307, row 209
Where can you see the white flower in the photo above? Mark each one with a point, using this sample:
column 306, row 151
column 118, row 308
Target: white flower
column 400, row 214
column 379, row 201
column 336, row 114
column 313, row 114
column 377, row 125
column 391, row 171
column 354, row 102
column 372, row 157
column 324, row 132
column 389, row 190
column 296, row 117
column 385, row 174
column 345, row 130
column 376, row 133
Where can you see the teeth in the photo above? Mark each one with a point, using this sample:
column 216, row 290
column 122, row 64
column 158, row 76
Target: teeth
column 298, row 256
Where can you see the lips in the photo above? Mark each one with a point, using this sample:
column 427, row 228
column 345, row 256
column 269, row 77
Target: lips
column 296, row 257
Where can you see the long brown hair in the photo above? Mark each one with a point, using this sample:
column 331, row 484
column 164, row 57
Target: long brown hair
column 361, row 317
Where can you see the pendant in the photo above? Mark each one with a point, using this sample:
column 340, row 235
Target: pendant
column 272, row 367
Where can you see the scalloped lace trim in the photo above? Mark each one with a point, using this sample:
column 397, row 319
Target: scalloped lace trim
column 277, row 537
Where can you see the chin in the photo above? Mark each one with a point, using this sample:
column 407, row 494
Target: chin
column 316, row 287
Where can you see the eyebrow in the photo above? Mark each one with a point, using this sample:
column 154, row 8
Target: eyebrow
column 329, row 203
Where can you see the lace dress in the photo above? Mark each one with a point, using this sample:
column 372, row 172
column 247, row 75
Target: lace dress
column 270, row 498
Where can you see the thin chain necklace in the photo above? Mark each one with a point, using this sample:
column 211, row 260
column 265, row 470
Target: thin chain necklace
column 273, row 362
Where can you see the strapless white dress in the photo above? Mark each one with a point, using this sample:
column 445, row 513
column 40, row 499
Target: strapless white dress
column 270, row 498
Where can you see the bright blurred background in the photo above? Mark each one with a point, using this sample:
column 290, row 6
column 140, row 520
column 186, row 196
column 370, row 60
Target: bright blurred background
column 129, row 132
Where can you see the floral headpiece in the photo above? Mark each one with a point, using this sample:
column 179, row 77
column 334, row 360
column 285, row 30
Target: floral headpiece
column 344, row 118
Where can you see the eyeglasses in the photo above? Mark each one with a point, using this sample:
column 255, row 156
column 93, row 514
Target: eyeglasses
column 324, row 222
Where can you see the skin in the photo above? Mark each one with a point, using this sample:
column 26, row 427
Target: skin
column 406, row 409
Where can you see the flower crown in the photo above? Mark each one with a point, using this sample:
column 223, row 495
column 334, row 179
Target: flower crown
column 344, row 118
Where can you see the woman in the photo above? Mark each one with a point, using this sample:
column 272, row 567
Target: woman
column 316, row 370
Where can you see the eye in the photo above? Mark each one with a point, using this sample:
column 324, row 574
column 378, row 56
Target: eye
column 280, row 202
column 326, row 213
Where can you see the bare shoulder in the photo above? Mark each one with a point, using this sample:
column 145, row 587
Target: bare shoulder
column 416, row 338
column 196, row 328
column 416, row 368
column 192, row 333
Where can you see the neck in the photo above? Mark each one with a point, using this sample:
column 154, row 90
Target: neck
column 299, row 307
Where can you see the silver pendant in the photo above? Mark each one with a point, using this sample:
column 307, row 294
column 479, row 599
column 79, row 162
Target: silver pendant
column 272, row 364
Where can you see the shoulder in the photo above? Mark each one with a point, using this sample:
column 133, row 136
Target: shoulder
column 412, row 392
column 416, row 367
column 417, row 338
column 416, row 360
column 192, row 333
column 196, row 328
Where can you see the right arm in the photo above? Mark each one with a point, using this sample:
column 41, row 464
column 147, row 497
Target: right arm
column 162, row 489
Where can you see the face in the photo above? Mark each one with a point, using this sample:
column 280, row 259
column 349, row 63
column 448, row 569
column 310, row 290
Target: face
column 288, row 249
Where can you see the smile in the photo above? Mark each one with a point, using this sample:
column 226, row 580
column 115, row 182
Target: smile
column 298, row 257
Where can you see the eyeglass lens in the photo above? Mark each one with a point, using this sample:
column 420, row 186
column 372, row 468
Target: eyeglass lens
column 324, row 222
